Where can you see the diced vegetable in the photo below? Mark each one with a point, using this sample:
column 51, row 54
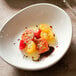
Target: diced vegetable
column 27, row 35
column 37, row 34
column 48, row 36
column 22, row 45
column 44, row 27
column 31, row 47
column 42, row 45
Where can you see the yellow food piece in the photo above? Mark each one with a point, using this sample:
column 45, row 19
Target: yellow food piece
column 44, row 27
column 44, row 35
column 47, row 33
column 31, row 47
column 50, row 38
column 52, row 41
column 34, row 55
column 47, row 36
column 50, row 34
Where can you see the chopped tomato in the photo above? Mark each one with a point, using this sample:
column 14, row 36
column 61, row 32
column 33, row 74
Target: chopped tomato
column 28, row 35
column 37, row 34
column 42, row 45
column 22, row 45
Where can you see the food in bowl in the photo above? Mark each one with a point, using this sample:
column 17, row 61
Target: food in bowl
column 38, row 41
column 36, row 13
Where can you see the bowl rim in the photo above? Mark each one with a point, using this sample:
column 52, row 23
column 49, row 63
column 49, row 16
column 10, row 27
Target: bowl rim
column 20, row 11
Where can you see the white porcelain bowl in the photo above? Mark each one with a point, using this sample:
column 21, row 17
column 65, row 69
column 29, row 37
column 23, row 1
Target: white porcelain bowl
column 32, row 15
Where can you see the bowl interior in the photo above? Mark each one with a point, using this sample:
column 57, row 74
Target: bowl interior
column 30, row 16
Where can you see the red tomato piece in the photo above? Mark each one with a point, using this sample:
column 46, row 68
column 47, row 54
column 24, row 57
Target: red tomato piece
column 28, row 35
column 22, row 45
column 42, row 45
column 37, row 34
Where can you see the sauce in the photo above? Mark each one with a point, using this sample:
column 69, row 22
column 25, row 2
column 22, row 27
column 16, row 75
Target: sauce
column 46, row 54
